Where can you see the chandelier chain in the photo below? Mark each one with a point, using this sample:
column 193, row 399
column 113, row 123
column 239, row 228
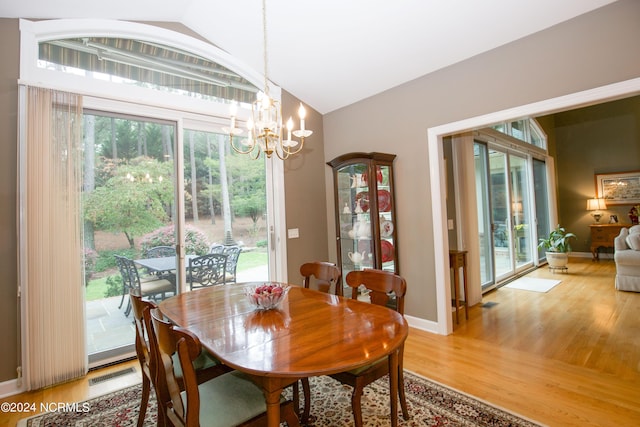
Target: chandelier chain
column 265, row 127
column 264, row 50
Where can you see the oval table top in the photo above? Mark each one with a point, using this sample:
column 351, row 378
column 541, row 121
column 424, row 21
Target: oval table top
column 310, row 333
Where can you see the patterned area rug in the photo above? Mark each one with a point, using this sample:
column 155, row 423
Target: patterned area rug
column 430, row 404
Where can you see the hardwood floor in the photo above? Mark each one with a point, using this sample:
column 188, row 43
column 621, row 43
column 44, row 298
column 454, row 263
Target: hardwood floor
column 569, row 357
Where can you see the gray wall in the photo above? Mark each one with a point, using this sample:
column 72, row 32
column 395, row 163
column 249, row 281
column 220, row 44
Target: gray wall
column 9, row 67
column 589, row 51
column 304, row 195
column 603, row 138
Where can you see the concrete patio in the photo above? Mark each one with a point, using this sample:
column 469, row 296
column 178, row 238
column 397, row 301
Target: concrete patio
column 109, row 328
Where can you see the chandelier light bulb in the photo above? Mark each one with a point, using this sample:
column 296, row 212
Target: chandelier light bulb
column 302, row 113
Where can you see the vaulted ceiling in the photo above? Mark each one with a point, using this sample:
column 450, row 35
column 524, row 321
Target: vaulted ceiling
column 332, row 53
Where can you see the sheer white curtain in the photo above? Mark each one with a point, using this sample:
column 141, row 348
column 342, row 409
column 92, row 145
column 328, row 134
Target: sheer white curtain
column 51, row 258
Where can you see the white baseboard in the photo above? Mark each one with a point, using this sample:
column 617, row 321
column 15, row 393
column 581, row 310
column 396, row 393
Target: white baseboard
column 422, row 324
column 11, row 387
column 601, row 255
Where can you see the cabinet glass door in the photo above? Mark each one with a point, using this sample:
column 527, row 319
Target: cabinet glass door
column 386, row 218
column 356, row 247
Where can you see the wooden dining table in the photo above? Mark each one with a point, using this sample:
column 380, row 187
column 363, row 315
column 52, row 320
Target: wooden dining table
column 309, row 334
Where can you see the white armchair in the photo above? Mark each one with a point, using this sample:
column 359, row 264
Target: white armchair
column 627, row 259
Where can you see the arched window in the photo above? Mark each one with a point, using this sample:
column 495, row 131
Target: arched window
column 154, row 102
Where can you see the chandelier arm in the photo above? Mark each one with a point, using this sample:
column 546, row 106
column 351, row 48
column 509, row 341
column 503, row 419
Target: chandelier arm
column 252, row 146
column 257, row 155
column 291, row 153
column 280, row 156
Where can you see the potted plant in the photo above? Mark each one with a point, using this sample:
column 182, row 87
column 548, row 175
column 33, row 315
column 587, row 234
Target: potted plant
column 557, row 247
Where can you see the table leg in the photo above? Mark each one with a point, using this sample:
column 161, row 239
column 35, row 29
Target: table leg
column 456, row 287
column 466, row 291
column 272, row 390
column 272, row 399
column 393, row 387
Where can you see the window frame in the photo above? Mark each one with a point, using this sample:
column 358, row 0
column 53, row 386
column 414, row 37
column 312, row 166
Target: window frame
column 140, row 101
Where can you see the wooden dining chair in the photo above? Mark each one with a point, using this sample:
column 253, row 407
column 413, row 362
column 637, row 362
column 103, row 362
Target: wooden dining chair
column 206, row 270
column 206, row 366
column 322, row 276
column 231, row 399
column 387, row 289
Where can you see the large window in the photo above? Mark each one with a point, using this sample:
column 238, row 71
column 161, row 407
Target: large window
column 525, row 130
column 145, row 64
column 156, row 163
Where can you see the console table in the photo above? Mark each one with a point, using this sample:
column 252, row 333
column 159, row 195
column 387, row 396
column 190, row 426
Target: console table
column 458, row 260
column 602, row 236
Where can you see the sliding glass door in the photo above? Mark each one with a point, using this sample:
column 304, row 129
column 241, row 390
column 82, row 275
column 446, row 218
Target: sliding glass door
column 130, row 206
column 500, row 214
column 485, row 227
column 226, row 199
column 129, row 190
column 504, row 213
column 523, row 232
column 541, row 198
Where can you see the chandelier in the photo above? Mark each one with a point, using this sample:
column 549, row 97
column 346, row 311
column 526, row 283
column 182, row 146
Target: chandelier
column 264, row 128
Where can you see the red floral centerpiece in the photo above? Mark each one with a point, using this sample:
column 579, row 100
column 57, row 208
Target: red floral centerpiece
column 267, row 296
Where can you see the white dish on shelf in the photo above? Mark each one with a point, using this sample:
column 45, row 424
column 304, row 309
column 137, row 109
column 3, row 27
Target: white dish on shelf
column 386, row 228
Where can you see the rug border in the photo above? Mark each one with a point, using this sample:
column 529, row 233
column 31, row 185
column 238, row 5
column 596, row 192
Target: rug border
column 470, row 396
column 22, row 422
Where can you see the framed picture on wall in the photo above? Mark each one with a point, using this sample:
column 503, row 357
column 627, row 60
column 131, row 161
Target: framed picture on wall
column 621, row 188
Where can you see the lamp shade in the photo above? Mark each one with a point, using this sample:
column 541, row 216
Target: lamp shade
column 596, row 204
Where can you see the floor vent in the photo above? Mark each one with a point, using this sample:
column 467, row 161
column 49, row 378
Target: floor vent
column 110, row 376
column 489, row 304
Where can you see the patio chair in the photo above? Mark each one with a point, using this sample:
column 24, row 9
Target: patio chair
column 382, row 286
column 206, row 270
column 152, row 287
column 231, row 399
column 161, row 252
column 233, row 254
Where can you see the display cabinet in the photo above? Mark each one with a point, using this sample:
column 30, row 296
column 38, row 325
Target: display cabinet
column 366, row 225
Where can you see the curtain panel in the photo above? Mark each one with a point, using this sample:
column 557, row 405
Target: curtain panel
column 51, row 257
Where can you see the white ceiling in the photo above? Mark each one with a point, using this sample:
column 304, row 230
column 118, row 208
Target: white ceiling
column 332, row 53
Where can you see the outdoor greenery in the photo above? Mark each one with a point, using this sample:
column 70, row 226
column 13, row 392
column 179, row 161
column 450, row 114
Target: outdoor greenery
column 195, row 241
column 129, row 179
column 107, row 261
column 135, row 200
